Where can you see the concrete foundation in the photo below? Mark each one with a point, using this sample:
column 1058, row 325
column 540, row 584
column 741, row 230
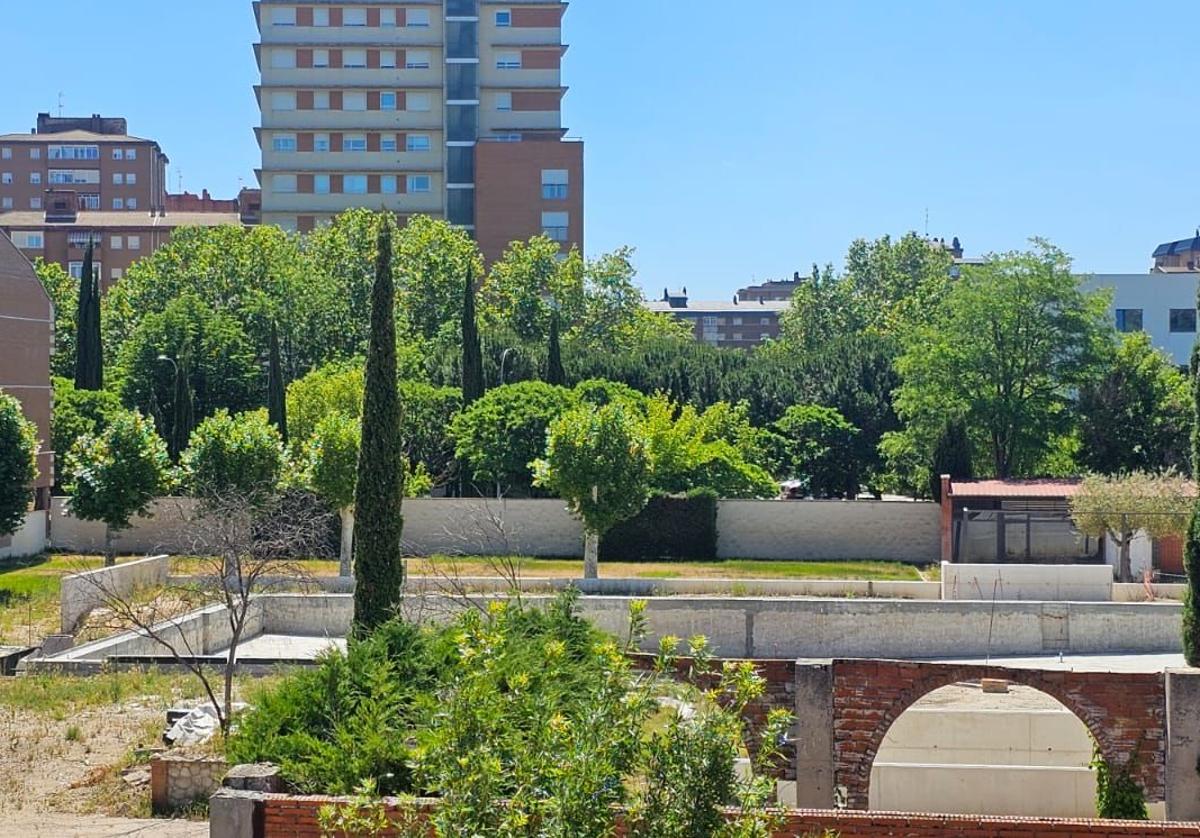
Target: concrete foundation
column 1183, row 744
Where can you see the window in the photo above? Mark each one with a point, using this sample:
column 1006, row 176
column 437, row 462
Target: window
column 6, row 203
column 387, row 101
column 69, row 176
column 354, row 100
column 118, row 154
column 283, row 101
column 35, row 203
column 508, row 61
column 283, row 59
column 320, row 142
column 116, row 243
column 388, row 185
column 418, row 142
column 5, row 153
column 417, row 18
column 321, row 100
column 1129, row 320
column 320, row 58
column 1183, row 320
column 709, row 321
column 283, row 16
column 29, row 241
column 283, row 183
column 504, row 101
column 418, row 102
column 504, row 18
column 35, row 178
column 130, row 179
column 764, row 321
column 75, row 152
column 387, row 142
column 134, row 242
column 354, row 17
column 354, row 59
column 131, row 154
column 554, row 184
column 117, row 273
column 90, row 201
column 35, row 154
column 507, row 138
column 320, row 17
column 387, row 59
column 284, row 142
column 420, row 183
column 321, row 184
column 118, row 203
column 354, row 142
column 131, row 203
column 118, row 179
column 6, row 178
column 555, row 225
column 354, row 184
column 76, row 269
column 387, row 17
column 737, row 321
column 416, row 60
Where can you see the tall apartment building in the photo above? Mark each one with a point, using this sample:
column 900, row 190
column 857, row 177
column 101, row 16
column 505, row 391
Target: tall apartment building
column 729, row 325
column 450, row 108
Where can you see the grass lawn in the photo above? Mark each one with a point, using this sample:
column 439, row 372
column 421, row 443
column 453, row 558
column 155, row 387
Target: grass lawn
column 726, row 569
column 29, row 595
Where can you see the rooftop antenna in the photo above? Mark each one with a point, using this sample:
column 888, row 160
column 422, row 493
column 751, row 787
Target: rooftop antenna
column 179, row 179
column 926, row 222
column 60, row 104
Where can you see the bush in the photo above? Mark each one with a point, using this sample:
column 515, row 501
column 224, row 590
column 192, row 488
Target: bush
column 670, row 527
column 1118, row 796
column 240, row 455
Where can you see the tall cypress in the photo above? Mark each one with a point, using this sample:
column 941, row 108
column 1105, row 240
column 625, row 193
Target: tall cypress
column 555, row 374
column 377, row 497
column 183, row 418
column 276, row 389
column 472, row 351
column 89, row 365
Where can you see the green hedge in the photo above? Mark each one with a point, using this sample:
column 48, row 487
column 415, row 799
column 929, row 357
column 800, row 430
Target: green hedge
column 670, row 527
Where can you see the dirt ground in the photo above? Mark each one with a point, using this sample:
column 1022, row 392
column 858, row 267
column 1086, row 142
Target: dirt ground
column 83, row 826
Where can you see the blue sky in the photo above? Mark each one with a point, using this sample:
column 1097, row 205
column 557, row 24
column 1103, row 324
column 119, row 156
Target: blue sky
column 729, row 146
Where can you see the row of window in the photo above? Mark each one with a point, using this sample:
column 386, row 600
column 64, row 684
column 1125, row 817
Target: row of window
column 71, row 152
column 1180, row 320
column 712, row 321
column 357, row 59
column 86, row 202
column 353, row 16
column 353, row 184
column 720, row 337
column 73, row 176
column 287, row 143
column 36, row 240
column 353, row 100
column 76, row 270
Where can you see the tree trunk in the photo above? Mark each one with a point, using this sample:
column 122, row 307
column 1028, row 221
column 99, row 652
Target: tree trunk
column 230, row 669
column 110, row 557
column 591, row 555
column 345, row 565
column 1125, row 570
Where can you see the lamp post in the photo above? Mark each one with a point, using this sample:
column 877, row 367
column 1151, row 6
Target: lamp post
column 504, row 360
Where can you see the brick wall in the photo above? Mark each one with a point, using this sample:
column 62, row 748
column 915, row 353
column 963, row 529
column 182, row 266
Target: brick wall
column 1125, row 713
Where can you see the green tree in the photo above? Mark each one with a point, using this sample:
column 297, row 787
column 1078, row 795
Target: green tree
column 115, row 475
column 64, row 294
column 18, row 464
column 951, row 456
column 497, row 437
column 472, row 354
column 380, row 486
column 1138, row 414
column 1005, row 350
column 1122, row 506
column 816, row 447
column 332, row 471
column 1191, row 597
column 276, row 388
column 426, row 415
column 77, row 413
column 431, row 257
column 554, row 368
column 89, row 359
column 183, row 403
column 336, row 387
column 233, row 457
column 522, row 283
column 596, row 460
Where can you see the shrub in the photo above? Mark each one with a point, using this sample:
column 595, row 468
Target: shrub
column 233, row 455
column 1118, row 796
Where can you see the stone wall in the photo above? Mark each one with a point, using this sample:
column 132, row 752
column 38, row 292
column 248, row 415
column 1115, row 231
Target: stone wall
column 829, row 530
column 81, row 592
column 177, row 781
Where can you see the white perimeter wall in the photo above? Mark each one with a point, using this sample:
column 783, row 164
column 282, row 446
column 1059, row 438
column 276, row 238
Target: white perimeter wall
column 81, row 592
column 1036, row 582
column 28, row 540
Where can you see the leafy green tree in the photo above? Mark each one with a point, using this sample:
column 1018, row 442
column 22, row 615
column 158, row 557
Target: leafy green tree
column 1006, row 350
column 816, row 448
column 77, row 413
column 472, row 354
column 523, row 282
column 951, row 456
column 431, row 257
column 183, row 403
column 233, row 457
column 1120, row 507
column 597, row 461
column 380, row 486
column 64, row 294
column 221, row 368
column 276, row 388
column 1138, row 414
column 336, row 387
column 89, row 357
column 115, row 475
column 426, row 415
column 332, row 472
column 18, row 464
column 497, row 437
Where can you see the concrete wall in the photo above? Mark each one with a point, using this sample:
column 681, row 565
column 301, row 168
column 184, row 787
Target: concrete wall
column 984, row 790
column 1141, row 554
column 1040, row 583
column 81, row 592
column 1183, row 744
column 164, row 530
column 28, row 540
column 477, row 526
column 814, row 530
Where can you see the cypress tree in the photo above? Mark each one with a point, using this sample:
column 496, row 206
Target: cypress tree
column 377, row 566
column 472, row 351
column 276, row 390
column 555, row 374
column 951, row 456
column 183, row 415
column 89, row 364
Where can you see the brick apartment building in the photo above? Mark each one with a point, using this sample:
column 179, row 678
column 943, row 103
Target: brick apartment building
column 732, row 325
column 450, row 108
column 75, row 179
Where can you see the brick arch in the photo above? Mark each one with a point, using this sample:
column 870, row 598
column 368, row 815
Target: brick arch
column 1124, row 712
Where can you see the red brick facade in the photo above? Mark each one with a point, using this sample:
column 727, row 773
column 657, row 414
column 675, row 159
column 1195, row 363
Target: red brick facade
column 1125, row 713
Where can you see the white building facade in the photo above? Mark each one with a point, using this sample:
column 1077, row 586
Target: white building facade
column 1163, row 305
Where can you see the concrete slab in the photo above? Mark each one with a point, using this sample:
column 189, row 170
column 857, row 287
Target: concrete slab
column 285, row 647
column 1079, row 663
